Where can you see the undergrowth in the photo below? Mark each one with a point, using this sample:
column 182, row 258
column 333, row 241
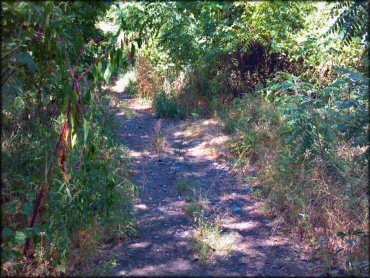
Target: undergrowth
column 210, row 237
column 93, row 207
column 312, row 169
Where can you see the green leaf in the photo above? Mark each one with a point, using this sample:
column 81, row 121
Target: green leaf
column 341, row 234
column 87, row 97
column 19, row 103
column 20, row 237
column 74, row 140
column 86, row 129
column 111, row 182
column 28, row 209
column 63, row 265
column 66, row 96
column 99, row 68
column 68, row 192
column 108, row 73
column 30, row 232
column 92, row 150
column 23, row 8
column 358, row 232
column 25, row 58
column 6, row 233
column 13, row 207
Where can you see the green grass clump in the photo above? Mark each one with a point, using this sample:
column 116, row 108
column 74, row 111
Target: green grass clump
column 168, row 107
column 194, row 209
column 183, row 187
column 211, row 238
column 132, row 89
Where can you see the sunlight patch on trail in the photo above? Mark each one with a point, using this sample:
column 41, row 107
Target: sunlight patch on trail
column 180, row 265
column 138, row 154
column 242, row 226
column 123, row 81
column 138, row 245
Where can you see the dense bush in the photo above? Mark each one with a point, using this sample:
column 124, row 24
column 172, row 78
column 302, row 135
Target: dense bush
column 167, row 107
column 80, row 213
column 312, row 161
column 62, row 165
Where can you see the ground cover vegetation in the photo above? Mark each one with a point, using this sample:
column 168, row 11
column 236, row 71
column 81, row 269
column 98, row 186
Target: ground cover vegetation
column 288, row 79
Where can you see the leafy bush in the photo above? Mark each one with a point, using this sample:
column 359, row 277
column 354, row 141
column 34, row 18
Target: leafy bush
column 311, row 155
column 81, row 212
column 168, row 107
column 132, row 89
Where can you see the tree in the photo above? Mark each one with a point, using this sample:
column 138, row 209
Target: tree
column 352, row 21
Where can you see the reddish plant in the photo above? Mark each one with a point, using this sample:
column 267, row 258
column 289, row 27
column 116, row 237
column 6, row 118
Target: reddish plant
column 62, row 147
column 98, row 40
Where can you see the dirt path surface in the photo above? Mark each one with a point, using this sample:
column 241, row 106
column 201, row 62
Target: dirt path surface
column 164, row 246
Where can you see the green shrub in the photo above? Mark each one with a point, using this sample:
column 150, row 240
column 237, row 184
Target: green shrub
column 194, row 209
column 310, row 155
column 168, row 107
column 94, row 206
column 183, row 187
column 132, row 89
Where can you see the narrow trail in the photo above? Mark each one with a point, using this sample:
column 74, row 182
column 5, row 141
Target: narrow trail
column 164, row 246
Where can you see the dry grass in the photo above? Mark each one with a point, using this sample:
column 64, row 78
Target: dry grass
column 193, row 132
column 159, row 139
column 129, row 113
column 85, row 247
column 149, row 82
column 210, row 238
column 312, row 201
column 214, row 142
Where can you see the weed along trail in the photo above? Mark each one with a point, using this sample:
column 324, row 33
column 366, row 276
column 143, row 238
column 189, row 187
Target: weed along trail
column 193, row 217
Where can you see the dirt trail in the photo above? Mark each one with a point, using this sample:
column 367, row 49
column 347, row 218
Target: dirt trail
column 164, row 246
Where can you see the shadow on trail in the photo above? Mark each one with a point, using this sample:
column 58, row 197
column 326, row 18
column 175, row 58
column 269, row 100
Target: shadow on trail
column 164, row 245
